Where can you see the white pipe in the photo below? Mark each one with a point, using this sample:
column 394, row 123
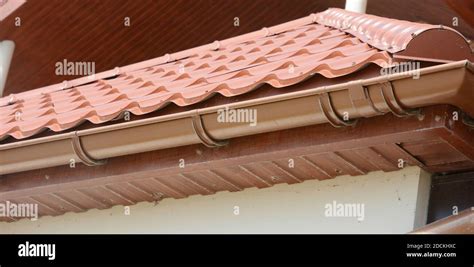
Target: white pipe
column 358, row 6
column 6, row 53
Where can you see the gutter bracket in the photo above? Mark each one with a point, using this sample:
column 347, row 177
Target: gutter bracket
column 392, row 102
column 325, row 104
column 467, row 120
column 82, row 154
column 361, row 100
column 203, row 135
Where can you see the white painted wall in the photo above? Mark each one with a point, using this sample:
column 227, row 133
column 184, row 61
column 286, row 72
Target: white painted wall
column 392, row 205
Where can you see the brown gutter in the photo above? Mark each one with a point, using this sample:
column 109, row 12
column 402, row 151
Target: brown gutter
column 339, row 105
column 462, row 223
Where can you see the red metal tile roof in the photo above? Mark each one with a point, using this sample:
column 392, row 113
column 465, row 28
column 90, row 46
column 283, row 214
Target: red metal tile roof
column 281, row 56
column 8, row 6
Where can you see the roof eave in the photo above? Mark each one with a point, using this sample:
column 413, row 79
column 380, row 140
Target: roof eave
column 443, row 84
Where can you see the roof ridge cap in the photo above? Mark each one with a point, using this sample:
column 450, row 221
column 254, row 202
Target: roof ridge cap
column 367, row 28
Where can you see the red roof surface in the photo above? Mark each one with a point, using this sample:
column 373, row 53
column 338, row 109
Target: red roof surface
column 281, row 56
column 8, row 6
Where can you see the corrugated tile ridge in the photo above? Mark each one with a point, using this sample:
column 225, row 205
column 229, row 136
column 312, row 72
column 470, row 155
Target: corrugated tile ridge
column 391, row 35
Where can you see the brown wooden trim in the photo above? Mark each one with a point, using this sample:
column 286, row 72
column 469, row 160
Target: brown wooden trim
column 236, row 164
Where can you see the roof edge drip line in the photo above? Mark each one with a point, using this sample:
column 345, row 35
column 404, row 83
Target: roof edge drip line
column 444, row 84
